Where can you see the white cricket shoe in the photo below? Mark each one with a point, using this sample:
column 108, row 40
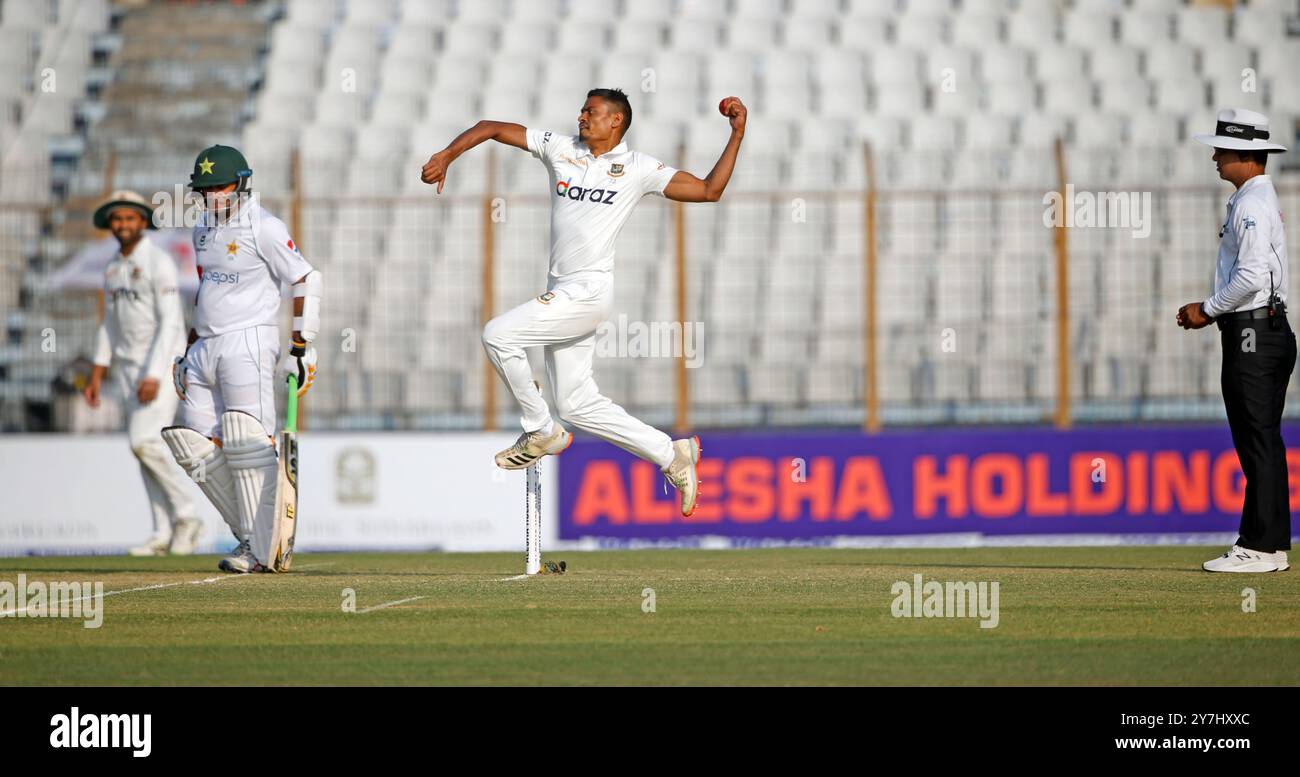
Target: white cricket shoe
column 1240, row 559
column 531, row 446
column 682, row 473
column 154, row 546
column 241, row 561
column 185, row 535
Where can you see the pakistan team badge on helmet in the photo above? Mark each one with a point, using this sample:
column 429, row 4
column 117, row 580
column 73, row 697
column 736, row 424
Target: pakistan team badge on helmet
column 218, row 166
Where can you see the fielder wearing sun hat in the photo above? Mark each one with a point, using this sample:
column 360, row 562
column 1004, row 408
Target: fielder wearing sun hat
column 123, row 198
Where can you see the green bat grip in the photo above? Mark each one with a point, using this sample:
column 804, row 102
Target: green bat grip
column 291, row 406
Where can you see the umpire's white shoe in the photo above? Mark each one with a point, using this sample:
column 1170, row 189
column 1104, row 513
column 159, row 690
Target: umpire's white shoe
column 682, row 473
column 154, row 546
column 531, row 446
column 185, row 535
column 241, row 561
column 1240, row 559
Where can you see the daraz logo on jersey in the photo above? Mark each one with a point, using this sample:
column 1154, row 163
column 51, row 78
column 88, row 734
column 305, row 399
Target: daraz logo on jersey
column 603, row 196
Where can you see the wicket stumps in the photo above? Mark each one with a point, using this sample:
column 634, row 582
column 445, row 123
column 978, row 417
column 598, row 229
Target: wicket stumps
column 533, row 520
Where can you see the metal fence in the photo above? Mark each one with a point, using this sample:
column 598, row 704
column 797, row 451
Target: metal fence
column 870, row 303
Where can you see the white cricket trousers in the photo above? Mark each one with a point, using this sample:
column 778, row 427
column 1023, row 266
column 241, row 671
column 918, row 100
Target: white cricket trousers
column 231, row 371
column 564, row 321
column 164, row 481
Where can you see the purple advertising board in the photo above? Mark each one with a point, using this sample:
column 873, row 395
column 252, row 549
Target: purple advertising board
column 1005, row 481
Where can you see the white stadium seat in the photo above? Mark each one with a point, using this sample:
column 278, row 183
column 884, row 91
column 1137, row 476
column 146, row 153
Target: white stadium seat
column 1088, row 29
column 695, row 35
column 516, row 73
column 528, row 38
column 814, row 9
column 1260, row 28
column 1226, row 60
column 647, row 36
column 700, row 10
column 1145, row 30
column 895, row 67
column 413, row 41
column 577, row 35
column 806, row 34
column 758, row 9
column 1060, row 66
column 405, row 76
column 977, row 31
column 1181, row 97
column 1099, row 130
column 863, row 33
column 940, row 59
column 469, row 38
column 1034, row 30
column 751, row 34
column 481, row 11
column 538, row 11
column 1004, row 64
column 1169, row 61
column 1204, row 26
column 920, row 32
column 421, row 11
column 373, row 13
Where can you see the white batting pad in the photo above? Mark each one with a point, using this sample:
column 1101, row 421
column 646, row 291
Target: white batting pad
column 206, row 465
column 251, row 456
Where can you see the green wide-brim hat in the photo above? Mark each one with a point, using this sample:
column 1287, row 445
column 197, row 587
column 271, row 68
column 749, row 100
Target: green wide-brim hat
column 124, row 198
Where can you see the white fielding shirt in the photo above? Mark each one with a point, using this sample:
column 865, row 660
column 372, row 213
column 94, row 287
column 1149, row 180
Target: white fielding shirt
column 1252, row 245
column 144, row 325
column 591, row 199
column 242, row 263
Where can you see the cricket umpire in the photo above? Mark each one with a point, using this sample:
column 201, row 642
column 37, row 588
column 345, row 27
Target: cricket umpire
column 1259, row 347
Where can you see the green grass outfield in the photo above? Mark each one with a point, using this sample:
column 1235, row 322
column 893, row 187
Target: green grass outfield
column 1130, row 615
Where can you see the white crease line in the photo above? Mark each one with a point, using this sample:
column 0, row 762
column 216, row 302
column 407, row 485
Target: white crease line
column 388, row 604
column 516, row 577
column 106, row 594
column 204, row 581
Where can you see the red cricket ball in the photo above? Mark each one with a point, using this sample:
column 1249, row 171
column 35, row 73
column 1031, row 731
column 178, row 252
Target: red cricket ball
column 722, row 106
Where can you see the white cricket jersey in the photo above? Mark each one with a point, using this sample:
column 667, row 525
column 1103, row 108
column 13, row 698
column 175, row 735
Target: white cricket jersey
column 144, row 325
column 591, row 199
column 1252, row 246
column 242, row 263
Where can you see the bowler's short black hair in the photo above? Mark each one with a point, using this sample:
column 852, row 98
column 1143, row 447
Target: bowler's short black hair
column 618, row 99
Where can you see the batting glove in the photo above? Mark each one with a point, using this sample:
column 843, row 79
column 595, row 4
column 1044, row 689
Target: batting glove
column 301, row 361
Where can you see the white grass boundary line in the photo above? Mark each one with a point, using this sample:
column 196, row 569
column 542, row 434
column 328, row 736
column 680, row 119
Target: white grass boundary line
column 516, row 577
column 389, row 604
column 157, row 586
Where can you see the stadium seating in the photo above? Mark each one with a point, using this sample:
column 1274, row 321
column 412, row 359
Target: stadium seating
column 961, row 102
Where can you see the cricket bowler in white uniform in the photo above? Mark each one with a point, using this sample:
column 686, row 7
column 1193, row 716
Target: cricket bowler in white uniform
column 142, row 331
column 596, row 181
column 227, row 377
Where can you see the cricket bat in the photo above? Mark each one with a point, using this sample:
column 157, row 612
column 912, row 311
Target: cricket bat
column 286, row 490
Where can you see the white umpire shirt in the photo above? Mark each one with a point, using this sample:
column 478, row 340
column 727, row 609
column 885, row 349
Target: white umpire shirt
column 144, row 325
column 591, row 199
column 1252, row 247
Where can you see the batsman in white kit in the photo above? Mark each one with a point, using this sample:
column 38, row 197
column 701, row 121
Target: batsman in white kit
column 142, row 331
column 227, row 377
column 596, row 181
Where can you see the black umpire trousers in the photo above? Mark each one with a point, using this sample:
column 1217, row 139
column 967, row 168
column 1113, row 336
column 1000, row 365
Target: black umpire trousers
column 1257, row 365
